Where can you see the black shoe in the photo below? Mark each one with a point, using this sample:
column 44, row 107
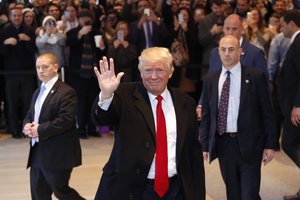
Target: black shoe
column 17, row 134
column 292, row 197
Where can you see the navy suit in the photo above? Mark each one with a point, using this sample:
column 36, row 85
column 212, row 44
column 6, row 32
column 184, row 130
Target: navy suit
column 240, row 157
column 251, row 56
column 289, row 97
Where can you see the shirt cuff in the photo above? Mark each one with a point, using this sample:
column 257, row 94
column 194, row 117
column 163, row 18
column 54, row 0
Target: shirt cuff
column 104, row 105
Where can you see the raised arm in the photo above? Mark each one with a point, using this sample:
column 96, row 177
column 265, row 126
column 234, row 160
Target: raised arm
column 107, row 79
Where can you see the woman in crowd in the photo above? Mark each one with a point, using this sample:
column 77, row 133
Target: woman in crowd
column 123, row 52
column 256, row 32
column 51, row 40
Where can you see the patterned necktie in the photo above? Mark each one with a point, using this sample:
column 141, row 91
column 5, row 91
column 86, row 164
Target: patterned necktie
column 161, row 181
column 223, row 106
column 149, row 34
column 37, row 110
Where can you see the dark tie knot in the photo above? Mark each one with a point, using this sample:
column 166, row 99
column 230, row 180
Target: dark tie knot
column 159, row 98
column 228, row 73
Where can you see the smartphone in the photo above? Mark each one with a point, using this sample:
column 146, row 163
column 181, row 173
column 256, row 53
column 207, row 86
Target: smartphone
column 249, row 15
column 147, row 11
column 67, row 13
column 120, row 35
column 180, row 18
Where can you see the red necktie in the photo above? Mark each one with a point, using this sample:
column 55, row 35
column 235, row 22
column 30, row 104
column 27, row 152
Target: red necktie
column 161, row 181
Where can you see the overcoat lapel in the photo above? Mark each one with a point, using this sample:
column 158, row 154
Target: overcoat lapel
column 142, row 103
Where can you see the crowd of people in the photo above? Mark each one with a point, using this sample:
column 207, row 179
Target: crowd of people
column 76, row 34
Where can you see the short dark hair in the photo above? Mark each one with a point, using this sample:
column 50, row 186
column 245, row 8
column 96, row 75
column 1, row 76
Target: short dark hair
column 217, row 2
column 292, row 15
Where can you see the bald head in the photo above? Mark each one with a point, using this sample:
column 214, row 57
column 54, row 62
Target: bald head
column 233, row 25
column 229, row 51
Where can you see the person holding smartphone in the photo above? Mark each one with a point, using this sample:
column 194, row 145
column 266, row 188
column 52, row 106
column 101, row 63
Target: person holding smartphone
column 185, row 31
column 148, row 30
column 120, row 47
column 68, row 19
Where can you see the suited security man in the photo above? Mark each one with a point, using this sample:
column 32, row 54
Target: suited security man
column 54, row 144
column 239, row 129
column 144, row 164
column 251, row 55
column 289, row 91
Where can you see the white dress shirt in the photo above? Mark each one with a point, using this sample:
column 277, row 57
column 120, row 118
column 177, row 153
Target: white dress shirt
column 234, row 95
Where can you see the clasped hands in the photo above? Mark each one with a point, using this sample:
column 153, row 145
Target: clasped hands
column 30, row 129
column 107, row 79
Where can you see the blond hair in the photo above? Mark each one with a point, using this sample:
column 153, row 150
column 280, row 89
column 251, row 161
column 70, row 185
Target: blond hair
column 156, row 54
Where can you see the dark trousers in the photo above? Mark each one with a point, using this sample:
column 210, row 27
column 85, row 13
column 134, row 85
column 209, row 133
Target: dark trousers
column 44, row 182
column 18, row 92
column 87, row 89
column 290, row 141
column 241, row 177
column 174, row 192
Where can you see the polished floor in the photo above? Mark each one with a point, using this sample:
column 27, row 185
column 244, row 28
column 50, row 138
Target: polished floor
column 280, row 177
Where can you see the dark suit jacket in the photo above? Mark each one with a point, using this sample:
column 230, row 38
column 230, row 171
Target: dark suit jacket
column 206, row 39
column 252, row 57
column 58, row 138
column 256, row 126
column 124, row 175
column 289, row 79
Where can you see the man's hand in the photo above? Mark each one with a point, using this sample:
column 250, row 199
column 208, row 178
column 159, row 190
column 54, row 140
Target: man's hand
column 23, row 37
column 215, row 29
column 199, row 113
column 27, row 130
column 84, row 30
column 10, row 41
column 34, row 129
column 295, row 116
column 107, row 79
column 268, row 155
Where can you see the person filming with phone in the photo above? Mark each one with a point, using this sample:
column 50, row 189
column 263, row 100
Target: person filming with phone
column 149, row 30
column 120, row 47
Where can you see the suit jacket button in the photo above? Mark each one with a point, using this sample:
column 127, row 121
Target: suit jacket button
column 138, row 171
column 147, row 145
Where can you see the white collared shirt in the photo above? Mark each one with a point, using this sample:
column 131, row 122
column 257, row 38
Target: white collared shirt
column 294, row 36
column 234, row 95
